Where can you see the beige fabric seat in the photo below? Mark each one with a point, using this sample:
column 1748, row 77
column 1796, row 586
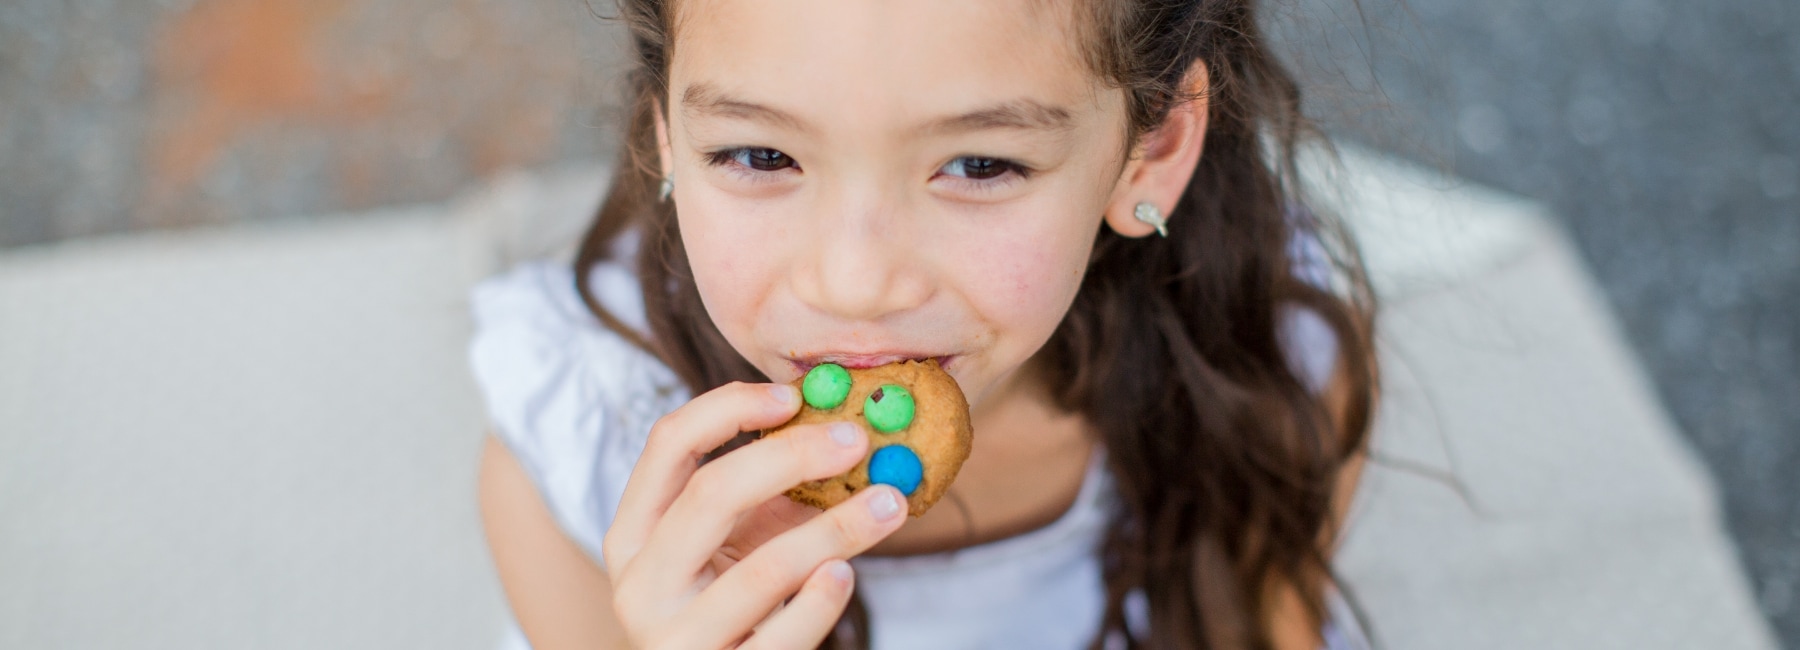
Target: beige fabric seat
column 1529, row 491
column 265, row 437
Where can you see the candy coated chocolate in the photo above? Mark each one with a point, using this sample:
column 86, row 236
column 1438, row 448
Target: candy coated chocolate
column 826, row 386
column 897, row 466
column 889, row 408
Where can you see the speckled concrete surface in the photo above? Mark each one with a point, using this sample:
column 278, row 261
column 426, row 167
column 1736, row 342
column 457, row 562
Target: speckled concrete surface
column 1666, row 136
column 122, row 115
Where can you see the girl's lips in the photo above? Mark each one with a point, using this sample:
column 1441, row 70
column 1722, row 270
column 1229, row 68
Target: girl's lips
column 855, row 361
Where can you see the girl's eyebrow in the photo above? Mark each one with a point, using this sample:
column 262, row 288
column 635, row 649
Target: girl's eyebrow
column 705, row 100
column 1019, row 114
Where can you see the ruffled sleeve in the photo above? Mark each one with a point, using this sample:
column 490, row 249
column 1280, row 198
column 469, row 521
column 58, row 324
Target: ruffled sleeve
column 572, row 400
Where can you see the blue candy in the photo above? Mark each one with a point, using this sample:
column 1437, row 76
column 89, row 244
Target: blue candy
column 897, row 466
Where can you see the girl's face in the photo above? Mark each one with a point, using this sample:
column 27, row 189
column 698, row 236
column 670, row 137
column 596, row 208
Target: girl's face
column 864, row 181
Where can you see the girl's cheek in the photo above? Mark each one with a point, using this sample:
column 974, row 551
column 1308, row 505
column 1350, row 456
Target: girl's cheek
column 730, row 252
column 1025, row 282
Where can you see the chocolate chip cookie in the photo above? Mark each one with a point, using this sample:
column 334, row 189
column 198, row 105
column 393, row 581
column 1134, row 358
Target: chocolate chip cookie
column 917, row 421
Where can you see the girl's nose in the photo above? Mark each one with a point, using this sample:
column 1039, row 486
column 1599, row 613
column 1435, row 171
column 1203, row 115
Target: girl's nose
column 864, row 264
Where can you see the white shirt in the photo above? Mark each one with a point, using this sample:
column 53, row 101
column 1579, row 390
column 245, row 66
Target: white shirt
column 574, row 403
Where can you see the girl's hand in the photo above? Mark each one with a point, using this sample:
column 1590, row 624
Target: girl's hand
column 699, row 557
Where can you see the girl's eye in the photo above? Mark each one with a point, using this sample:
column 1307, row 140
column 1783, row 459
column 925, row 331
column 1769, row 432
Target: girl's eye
column 761, row 159
column 980, row 169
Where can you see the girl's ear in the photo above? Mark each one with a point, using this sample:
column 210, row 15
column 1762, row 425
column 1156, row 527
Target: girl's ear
column 665, row 152
column 1163, row 160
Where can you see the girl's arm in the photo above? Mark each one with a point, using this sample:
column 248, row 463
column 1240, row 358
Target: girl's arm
column 559, row 596
column 1291, row 628
column 1337, row 402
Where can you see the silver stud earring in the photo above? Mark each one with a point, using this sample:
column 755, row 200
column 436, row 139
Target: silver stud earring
column 668, row 186
column 1149, row 214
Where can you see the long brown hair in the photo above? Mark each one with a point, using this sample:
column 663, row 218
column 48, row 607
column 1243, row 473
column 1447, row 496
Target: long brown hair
column 1226, row 461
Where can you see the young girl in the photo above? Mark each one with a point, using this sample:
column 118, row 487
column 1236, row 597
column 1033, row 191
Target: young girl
column 1085, row 209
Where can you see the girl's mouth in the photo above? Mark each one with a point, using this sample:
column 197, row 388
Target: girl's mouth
column 854, row 361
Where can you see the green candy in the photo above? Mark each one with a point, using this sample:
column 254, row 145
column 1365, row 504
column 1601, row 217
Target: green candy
column 889, row 408
column 826, row 386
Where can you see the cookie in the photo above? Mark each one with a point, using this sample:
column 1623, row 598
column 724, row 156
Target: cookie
column 917, row 422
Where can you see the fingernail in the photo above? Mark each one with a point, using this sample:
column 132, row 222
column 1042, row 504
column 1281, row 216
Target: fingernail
column 884, row 506
column 784, row 394
column 844, row 434
column 839, row 570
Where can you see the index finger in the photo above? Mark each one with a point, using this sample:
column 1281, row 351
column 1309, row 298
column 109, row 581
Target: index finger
column 677, row 444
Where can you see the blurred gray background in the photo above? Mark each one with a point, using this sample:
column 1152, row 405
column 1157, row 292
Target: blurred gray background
column 1665, row 134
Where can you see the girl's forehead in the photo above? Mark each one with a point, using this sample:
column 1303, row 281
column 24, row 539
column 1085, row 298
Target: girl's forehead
column 882, row 62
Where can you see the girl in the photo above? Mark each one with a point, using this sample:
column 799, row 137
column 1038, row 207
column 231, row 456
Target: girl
column 1085, row 209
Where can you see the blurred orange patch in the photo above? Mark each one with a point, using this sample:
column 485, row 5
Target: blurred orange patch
column 238, row 63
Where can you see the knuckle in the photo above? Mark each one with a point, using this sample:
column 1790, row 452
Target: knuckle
column 625, row 606
column 823, row 581
column 624, row 609
column 767, row 574
column 846, row 531
column 662, row 431
column 609, row 550
column 709, row 484
column 803, row 456
column 631, row 616
column 612, row 553
column 755, row 642
column 803, row 445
